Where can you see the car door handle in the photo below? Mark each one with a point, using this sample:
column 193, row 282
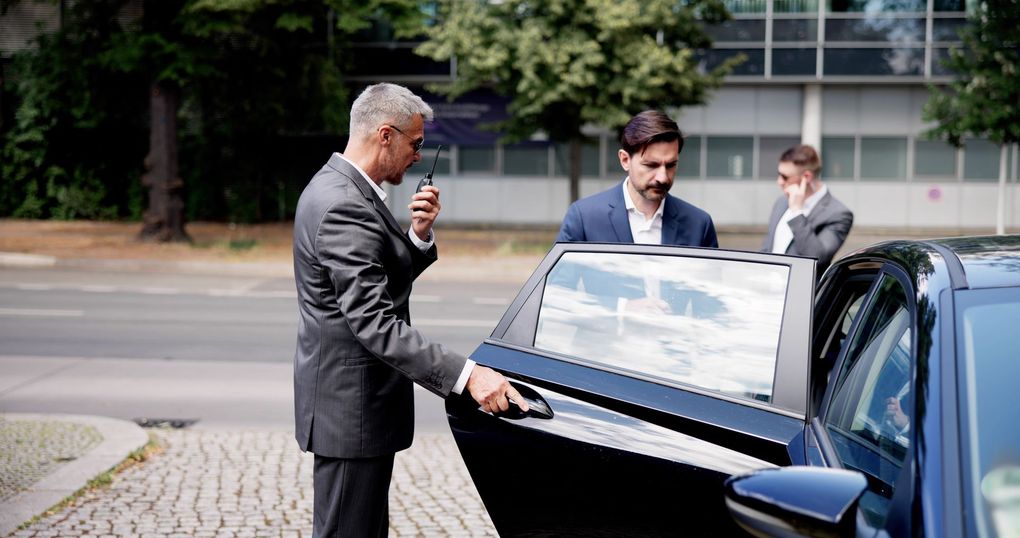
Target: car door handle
column 537, row 406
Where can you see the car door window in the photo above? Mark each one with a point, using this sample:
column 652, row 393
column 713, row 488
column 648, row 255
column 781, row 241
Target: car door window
column 868, row 417
column 710, row 323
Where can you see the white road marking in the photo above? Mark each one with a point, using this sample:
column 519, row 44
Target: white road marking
column 41, row 313
column 159, row 291
column 35, row 287
column 99, row 289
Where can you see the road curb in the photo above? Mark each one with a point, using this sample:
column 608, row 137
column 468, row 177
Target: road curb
column 120, row 438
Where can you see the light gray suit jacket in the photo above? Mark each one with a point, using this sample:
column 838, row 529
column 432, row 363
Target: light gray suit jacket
column 357, row 353
column 819, row 235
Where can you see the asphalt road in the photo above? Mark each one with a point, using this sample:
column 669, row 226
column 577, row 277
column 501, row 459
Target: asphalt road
column 216, row 348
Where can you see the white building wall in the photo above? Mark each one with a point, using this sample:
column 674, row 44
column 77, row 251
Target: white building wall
column 760, row 112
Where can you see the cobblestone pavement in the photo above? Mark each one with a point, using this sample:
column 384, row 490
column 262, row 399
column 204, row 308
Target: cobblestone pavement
column 258, row 484
column 30, row 450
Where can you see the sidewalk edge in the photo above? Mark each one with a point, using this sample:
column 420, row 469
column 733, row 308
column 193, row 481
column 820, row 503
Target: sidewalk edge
column 120, row 438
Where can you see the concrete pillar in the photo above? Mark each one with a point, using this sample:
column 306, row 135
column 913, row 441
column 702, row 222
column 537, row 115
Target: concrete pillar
column 811, row 127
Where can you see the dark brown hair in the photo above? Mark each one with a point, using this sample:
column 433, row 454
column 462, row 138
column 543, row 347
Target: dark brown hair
column 804, row 157
column 649, row 127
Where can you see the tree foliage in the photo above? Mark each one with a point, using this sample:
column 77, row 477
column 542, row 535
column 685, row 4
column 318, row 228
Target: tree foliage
column 253, row 74
column 984, row 101
column 566, row 64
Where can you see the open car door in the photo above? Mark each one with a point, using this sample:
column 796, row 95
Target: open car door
column 653, row 373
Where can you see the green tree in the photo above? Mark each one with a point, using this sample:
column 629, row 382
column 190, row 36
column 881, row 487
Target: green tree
column 566, row 64
column 984, row 100
column 238, row 76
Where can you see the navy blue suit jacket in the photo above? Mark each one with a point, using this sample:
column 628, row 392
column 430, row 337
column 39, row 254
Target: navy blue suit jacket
column 602, row 218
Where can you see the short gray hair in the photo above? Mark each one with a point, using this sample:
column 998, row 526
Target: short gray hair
column 386, row 103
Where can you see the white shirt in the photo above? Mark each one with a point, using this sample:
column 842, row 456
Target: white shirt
column 458, row 387
column 784, row 235
column 644, row 231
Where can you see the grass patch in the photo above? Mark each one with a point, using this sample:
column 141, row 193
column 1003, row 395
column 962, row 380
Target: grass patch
column 241, row 244
column 101, row 481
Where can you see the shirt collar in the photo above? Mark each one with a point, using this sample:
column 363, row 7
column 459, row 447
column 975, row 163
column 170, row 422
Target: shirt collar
column 813, row 200
column 629, row 204
column 378, row 190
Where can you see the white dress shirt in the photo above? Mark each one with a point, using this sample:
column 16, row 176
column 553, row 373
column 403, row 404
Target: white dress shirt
column 644, row 231
column 458, row 387
column 784, row 235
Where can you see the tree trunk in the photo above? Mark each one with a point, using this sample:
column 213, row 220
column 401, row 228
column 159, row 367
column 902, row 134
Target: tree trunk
column 164, row 219
column 575, row 169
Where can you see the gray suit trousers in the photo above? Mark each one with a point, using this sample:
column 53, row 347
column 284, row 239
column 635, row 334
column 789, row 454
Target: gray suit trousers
column 351, row 497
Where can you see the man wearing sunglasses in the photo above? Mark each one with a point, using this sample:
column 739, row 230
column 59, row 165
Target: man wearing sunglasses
column 357, row 353
column 807, row 220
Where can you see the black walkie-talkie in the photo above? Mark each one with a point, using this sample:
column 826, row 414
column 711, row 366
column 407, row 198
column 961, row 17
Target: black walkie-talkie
column 427, row 180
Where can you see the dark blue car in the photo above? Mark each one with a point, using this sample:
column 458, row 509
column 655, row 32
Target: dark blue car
column 701, row 392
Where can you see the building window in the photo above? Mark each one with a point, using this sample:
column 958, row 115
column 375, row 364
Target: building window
column 613, row 167
column 934, row 159
column 753, row 64
column 526, row 160
column 745, row 6
column 938, row 59
column 947, row 30
column 795, row 6
column 690, row 159
column 951, row 5
column 857, row 6
column 900, row 61
column 838, row 158
column 883, row 158
column 730, row 156
column 589, row 158
column 738, row 30
column 769, row 151
column 794, row 61
column 476, row 159
column 795, row 30
column 980, row 160
column 884, row 29
column 428, row 155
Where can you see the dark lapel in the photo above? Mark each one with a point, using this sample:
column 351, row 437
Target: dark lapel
column 670, row 221
column 618, row 216
column 361, row 182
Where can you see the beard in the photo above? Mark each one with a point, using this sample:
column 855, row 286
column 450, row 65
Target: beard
column 655, row 191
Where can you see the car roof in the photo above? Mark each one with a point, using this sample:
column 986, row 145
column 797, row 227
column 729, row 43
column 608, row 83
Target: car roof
column 972, row 262
column 988, row 261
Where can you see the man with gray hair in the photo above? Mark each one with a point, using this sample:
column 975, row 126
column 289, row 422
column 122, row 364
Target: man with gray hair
column 357, row 353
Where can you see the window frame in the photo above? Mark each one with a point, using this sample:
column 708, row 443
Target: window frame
column 903, row 488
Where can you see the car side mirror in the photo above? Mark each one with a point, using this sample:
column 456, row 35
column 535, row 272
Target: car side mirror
column 796, row 501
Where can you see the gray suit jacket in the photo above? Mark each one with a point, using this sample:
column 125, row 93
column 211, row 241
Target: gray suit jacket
column 819, row 235
column 357, row 353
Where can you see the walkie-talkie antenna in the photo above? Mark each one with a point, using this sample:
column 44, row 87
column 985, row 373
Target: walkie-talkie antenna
column 434, row 161
column 427, row 180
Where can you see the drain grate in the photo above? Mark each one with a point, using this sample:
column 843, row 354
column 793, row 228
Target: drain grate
column 175, row 423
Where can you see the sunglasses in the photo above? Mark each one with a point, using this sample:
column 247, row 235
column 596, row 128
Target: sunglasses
column 418, row 142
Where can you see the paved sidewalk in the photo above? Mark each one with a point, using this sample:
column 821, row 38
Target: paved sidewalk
column 258, row 484
column 45, row 458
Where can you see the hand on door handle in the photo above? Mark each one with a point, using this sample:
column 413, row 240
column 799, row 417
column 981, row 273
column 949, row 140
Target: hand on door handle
column 538, row 407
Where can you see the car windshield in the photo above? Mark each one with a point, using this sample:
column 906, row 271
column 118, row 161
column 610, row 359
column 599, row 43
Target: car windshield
column 988, row 341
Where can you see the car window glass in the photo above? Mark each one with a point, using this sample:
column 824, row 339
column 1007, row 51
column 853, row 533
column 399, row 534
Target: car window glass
column 987, row 344
column 868, row 418
column 710, row 323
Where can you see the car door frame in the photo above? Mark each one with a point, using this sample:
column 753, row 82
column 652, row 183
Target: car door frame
column 818, row 435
